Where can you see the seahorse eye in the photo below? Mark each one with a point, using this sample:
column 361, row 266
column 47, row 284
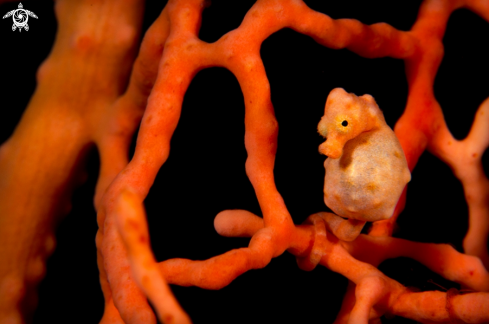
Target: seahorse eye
column 344, row 123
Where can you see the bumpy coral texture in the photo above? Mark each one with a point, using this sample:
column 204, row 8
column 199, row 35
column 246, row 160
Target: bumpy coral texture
column 108, row 92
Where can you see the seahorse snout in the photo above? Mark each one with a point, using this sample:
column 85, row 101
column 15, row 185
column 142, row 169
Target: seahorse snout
column 331, row 150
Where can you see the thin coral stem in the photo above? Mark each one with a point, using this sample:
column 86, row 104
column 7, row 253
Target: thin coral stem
column 465, row 159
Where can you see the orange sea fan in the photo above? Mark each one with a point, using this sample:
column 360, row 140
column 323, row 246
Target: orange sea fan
column 205, row 172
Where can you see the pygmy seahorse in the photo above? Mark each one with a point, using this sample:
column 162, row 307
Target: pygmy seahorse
column 366, row 170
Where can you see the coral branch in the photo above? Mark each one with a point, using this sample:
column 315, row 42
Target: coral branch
column 465, row 159
column 93, row 92
column 146, row 272
column 61, row 123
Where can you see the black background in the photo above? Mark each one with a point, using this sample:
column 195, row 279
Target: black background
column 205, row 171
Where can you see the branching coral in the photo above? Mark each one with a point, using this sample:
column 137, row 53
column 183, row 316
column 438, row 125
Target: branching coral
column 96, row 55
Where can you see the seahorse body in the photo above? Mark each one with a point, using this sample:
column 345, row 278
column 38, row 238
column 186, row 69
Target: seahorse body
column 366, row 169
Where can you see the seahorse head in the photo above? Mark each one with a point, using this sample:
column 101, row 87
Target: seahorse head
column 345, row 117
